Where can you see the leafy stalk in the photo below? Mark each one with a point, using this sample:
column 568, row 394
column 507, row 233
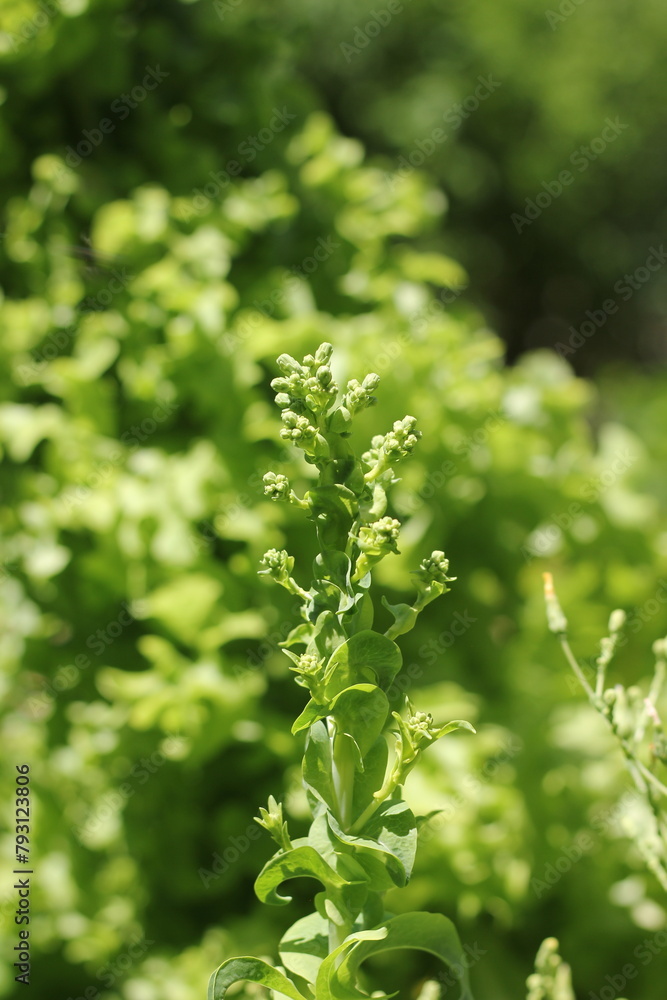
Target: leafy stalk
column 630, row 717
column 363, row 837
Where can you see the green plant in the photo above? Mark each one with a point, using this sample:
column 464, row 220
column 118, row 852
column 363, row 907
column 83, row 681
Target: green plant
column 552, row 979
column 635, row 722
column 363, row 837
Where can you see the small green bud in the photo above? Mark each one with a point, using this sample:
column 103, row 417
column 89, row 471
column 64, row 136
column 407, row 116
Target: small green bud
column 432, row 579
column 272, row 820
column 360, row 395
column 323, row 353
column 434, row 568
column 421, row 728
column 555, row 617
column 616, row 621
column 289, row 365
column 276, row 486
column 309, row 670
column 375, row 541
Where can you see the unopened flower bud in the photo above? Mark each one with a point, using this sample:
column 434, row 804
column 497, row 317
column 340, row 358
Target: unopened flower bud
column 272, row 820
column 277, row 564
column 276, row 486
column 380, row 534
column 555, row 617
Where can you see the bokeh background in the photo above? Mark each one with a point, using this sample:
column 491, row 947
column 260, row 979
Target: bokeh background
column 190, row 189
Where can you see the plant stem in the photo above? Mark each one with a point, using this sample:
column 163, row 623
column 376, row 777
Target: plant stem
column 577, row 669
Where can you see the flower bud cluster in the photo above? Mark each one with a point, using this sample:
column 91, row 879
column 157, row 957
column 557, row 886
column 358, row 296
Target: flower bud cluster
column 276, row 486
column 434, row 569
column 375, row 541
column 359, row 395
column 309, row 386
column 421, row 728
column 277, row 564
column 382, row 534
column 551, row 979
column 309, row 670
column 390, row 448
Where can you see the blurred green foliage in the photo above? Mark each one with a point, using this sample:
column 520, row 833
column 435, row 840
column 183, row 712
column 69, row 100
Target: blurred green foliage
column 141, row 676
column 551, row 75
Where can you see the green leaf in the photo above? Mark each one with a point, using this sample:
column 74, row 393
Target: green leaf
column 328, row 985
column 317, row 764
column 430, row 932
column 298, row 863
column 387, row 845
column 328, row 635
column 451, row 727
column 311, row 714
column 334, row 566
column 405, row 617
column 305, row 945
column 300, row 633
column 361, row 712
column 361, row 618
column 252, row 970
column 334, row 508
column 353, row 661
column 340, row 420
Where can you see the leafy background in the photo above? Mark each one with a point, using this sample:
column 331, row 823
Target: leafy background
column 141, row 677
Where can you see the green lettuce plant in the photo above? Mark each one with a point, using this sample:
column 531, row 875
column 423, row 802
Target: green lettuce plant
column 363, row 836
